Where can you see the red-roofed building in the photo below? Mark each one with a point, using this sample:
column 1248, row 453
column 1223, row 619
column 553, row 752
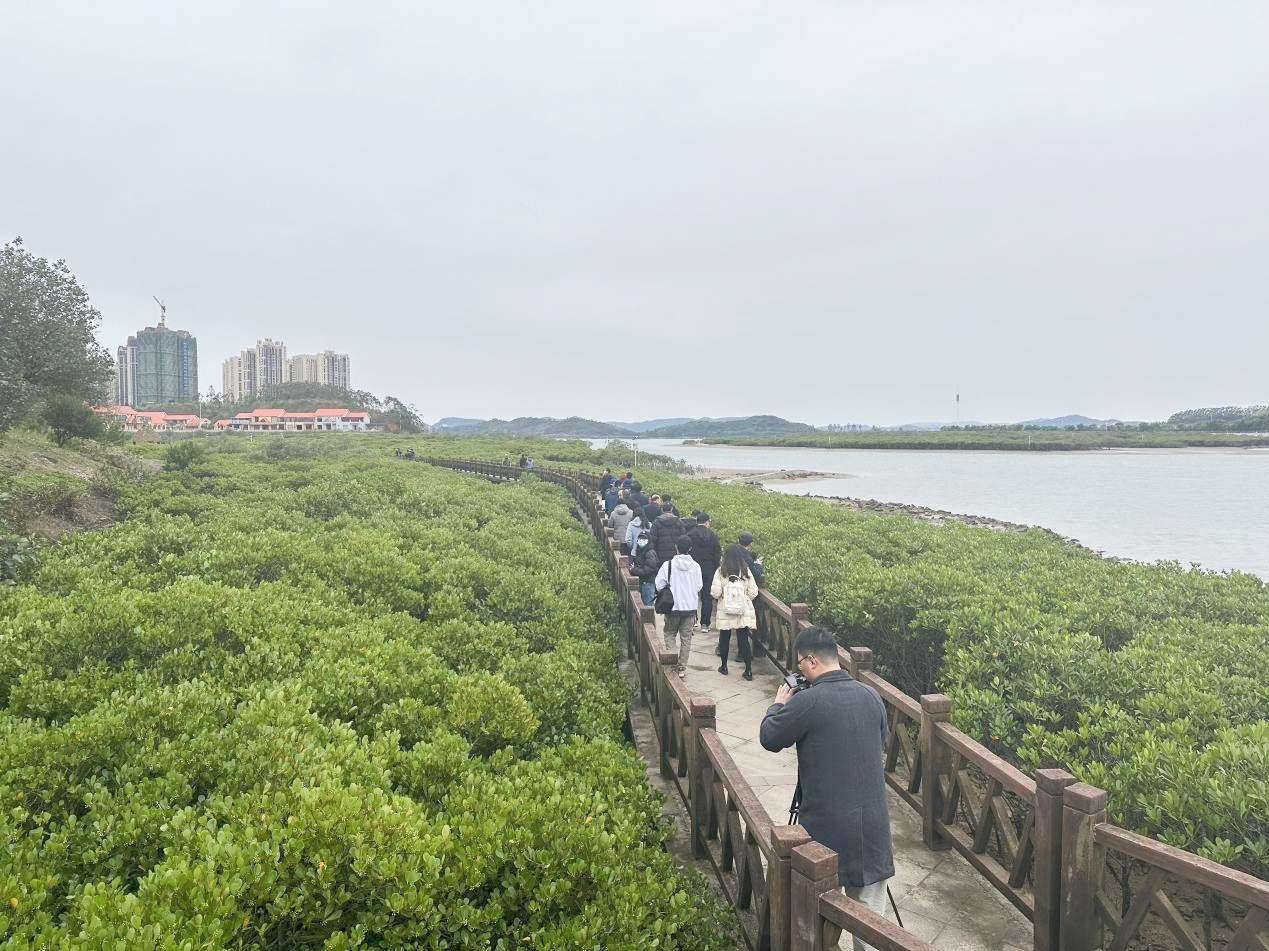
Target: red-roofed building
column 135, row 421
column 284, row 421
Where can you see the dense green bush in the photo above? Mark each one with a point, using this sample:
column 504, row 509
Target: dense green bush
column 327, row 703
column 1149, row 680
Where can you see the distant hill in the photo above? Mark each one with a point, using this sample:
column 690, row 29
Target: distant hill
column 746, row 426
column 449, row 422
column 924, row 427
column 646, row 425
column 574, row 426
column 1059, row 421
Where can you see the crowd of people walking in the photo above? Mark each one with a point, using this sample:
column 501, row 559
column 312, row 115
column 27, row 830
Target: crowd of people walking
column 708, row 588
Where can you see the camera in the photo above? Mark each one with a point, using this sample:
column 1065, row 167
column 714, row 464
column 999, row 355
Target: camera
column 796, row 682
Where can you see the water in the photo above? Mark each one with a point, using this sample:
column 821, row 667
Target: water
column 1206, row 507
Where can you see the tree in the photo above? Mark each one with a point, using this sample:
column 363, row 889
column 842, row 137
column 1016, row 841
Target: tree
column 47, row 343
column 69, row 417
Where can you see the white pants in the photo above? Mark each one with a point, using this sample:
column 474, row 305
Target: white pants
column 874, row 896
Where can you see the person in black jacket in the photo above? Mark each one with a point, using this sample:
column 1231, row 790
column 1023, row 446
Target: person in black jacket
column 707, row 551
column 839, row 728
column 665, row 533
column 755, row 564
column 636, row 498
column 611, row 498
column 644, row 564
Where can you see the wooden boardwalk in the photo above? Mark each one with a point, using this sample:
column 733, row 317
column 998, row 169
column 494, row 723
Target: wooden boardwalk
column 941, row 898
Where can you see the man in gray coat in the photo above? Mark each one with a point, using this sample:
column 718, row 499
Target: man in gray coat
column 839, row 727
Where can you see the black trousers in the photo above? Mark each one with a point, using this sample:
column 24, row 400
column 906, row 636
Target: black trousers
column 707, row 606
column 742, row 644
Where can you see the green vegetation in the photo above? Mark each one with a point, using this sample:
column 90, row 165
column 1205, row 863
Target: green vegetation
column 69, row 418
column 1036, row 439
column 1148, row 680
column 331, row 701
column 1246, row 419
column 47, row 347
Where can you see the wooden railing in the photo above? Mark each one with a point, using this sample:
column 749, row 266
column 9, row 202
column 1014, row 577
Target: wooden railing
column 1042, row 842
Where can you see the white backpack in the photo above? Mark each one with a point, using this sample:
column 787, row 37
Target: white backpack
column 734, row 595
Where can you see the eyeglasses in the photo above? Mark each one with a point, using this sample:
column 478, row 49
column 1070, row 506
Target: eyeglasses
column 804, row 657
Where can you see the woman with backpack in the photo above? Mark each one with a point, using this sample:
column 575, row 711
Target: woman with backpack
column 733, row 590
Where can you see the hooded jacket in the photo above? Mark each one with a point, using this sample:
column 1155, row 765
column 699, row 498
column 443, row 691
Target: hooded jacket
column 683, row 575
column 619, row 519
column 665, row 532
column 633, row 528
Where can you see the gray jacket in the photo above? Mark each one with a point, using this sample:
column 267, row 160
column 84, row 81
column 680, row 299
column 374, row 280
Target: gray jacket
column 839, row 726
column 619, row 519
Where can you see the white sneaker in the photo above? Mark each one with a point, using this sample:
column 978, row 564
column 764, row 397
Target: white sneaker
column 705, row 629
column 682, row 673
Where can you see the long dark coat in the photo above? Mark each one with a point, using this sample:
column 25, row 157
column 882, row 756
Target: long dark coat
column 839, row 727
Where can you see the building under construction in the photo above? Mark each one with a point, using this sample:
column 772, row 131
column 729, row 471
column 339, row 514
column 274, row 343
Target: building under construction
column 159, row 365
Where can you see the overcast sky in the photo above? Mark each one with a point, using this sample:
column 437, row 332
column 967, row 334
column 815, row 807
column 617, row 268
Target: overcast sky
column 834, row 212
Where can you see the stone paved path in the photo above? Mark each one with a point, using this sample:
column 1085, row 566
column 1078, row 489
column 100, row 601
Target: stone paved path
column 941, row 898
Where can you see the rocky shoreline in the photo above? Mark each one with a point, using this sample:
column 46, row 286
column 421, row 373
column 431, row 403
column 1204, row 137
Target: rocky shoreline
column 941, row 517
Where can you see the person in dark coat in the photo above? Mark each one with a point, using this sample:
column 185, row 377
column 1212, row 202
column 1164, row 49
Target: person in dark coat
column 707, row 551
column 610, row 499
column 839, row 728
column 665, row 532
column 665, row 504
column 643, row 565
column 636, row 498
column 755, row 564
column 651, row 510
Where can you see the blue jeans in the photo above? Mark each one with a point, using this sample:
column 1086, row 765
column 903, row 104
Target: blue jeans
column 647, row 591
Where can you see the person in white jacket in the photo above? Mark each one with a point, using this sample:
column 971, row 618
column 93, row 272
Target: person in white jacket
column 683, row 576
column 733, row 589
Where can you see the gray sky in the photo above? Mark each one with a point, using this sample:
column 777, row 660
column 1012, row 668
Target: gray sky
column 833, row 212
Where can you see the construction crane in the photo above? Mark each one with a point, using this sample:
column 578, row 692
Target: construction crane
column 162, row 310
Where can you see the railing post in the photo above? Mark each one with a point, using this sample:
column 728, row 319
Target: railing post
column 860, row 660
column 666, row 658
column 800, row 614
column 1047, row 864
column 935, row 709
column 784, row 839
column 1083, row 809
column 814, row 872
column 703, row 718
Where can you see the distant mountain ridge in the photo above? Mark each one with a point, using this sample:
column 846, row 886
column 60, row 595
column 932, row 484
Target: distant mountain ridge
column 1059, row 421
column 746, row 426
column 646, row 425
column 575, row 427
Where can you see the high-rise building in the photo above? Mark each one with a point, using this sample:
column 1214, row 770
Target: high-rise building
column 257, row 368
column 158, row 365
column 328, row 368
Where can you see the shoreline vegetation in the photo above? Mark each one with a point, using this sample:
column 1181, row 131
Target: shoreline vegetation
column 1011, row 440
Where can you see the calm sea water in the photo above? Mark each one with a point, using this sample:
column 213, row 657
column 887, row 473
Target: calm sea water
column 1209, row 508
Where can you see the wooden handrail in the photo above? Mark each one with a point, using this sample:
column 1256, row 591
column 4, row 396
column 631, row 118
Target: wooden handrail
column 857, row 919
column 1012, row 778
column 1229, row 882
column 752, row 811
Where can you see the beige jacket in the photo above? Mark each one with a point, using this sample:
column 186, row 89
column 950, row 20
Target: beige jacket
column 729, row 622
